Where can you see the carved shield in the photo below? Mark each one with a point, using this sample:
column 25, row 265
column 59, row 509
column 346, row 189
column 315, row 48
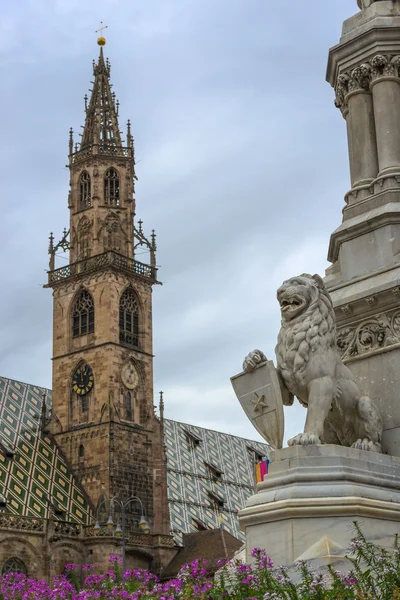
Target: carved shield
column 260, row 395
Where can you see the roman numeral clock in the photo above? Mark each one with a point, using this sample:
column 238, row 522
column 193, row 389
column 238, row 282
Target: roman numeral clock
column 83, row 380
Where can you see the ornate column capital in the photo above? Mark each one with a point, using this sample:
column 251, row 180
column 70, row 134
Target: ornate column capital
column 357, row 80
column 384, row 65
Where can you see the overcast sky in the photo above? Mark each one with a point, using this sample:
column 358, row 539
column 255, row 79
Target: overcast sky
column 242, row 166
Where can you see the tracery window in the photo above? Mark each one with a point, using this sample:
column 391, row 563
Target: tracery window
column 83, row 315
column 128, row 402
column 111, row 187
column 14, row 565
column 84, row 191
column 85, row 404
column 129, row 318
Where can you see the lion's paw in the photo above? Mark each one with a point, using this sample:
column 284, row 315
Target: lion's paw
column 366, row 444
column 304, row 439
column 252, row 360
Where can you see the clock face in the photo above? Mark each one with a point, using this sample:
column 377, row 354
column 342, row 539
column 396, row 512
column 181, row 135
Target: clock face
column 129, row 376
column 83, row 380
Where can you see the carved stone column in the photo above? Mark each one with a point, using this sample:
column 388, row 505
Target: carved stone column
column 354, row 98
column 385, row 87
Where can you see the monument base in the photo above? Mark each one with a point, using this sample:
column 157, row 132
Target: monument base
column 306, row 506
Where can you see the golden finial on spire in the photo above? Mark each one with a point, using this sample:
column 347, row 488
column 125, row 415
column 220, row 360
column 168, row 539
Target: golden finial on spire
column 101, row 40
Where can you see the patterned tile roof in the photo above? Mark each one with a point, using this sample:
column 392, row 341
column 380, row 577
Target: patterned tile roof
column 34, row 476
column 210, row 477
column 210, row 474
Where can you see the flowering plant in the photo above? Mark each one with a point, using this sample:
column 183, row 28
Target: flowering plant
column 374, row 574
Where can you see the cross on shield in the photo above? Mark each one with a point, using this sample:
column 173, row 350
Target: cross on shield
column 259, row 393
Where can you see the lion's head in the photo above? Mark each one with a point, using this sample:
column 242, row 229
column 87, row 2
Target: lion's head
column 298, row 294
column 308, row 321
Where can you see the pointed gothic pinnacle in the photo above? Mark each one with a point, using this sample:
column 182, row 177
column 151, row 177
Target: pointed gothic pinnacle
column 51, row 242
column 140, row 223
column 153, row 240
column 85, row 97
column 71, row 140
column 117, row 109
column 161, row 405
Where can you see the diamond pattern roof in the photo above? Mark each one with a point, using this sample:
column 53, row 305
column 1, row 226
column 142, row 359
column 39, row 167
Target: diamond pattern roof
column 33, row 473
column 210, row 474
column 210, row 477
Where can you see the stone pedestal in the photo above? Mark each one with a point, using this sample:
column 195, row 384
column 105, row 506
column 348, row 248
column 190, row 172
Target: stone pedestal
column 307, row 504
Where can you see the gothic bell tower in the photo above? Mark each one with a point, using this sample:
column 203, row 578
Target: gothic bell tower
column 103, row 411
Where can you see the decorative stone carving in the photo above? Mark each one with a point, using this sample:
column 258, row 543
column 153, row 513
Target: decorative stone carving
column 384, row 66
column 310, row 368
column 8, row 521
column 372, row 334
column 83, row 237
column 342, row 89
column 113, row 233
column 360, row 78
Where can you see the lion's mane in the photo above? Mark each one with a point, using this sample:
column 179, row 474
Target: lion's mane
column 314, row 328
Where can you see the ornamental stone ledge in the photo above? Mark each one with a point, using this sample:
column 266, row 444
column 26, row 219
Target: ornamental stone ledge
column 382, row 190
column 332, row 507
column 379, row 36
column 387, row 214
column 326, row 480
column 383, row 284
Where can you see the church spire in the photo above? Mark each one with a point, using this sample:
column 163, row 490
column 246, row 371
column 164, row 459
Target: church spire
column 101, row 131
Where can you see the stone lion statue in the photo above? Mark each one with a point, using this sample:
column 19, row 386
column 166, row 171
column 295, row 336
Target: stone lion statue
column 310, row 368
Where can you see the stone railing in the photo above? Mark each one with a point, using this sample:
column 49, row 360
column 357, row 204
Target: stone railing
column 92, row 532
column 134, row 538
column 163, row 540
column 102, row 149
column 139, row 539
column 67, row 528
column 103, row 261
column 8, row 521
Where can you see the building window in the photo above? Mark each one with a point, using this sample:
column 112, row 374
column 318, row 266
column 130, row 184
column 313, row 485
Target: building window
column 128, row 402
column 111, row 187
column 13, row 565
column 85, row 403
column 254, row 456
column 129, row 318
column 81, row 451
column 83, row 315
column 216, row 501
column 215, row 472
column 198, row 525
column 84, row 191
column 192, row 439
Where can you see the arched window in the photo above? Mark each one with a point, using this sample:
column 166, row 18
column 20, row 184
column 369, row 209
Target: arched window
column 129, row 318
column 85, row 404
column 14, row 565
column 83, row 315
column 84, row 191
column 128, row 402
column 81, row 451
column 111, row 187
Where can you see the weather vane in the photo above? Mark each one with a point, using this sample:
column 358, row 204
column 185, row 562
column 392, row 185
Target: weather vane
column 101, row 40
